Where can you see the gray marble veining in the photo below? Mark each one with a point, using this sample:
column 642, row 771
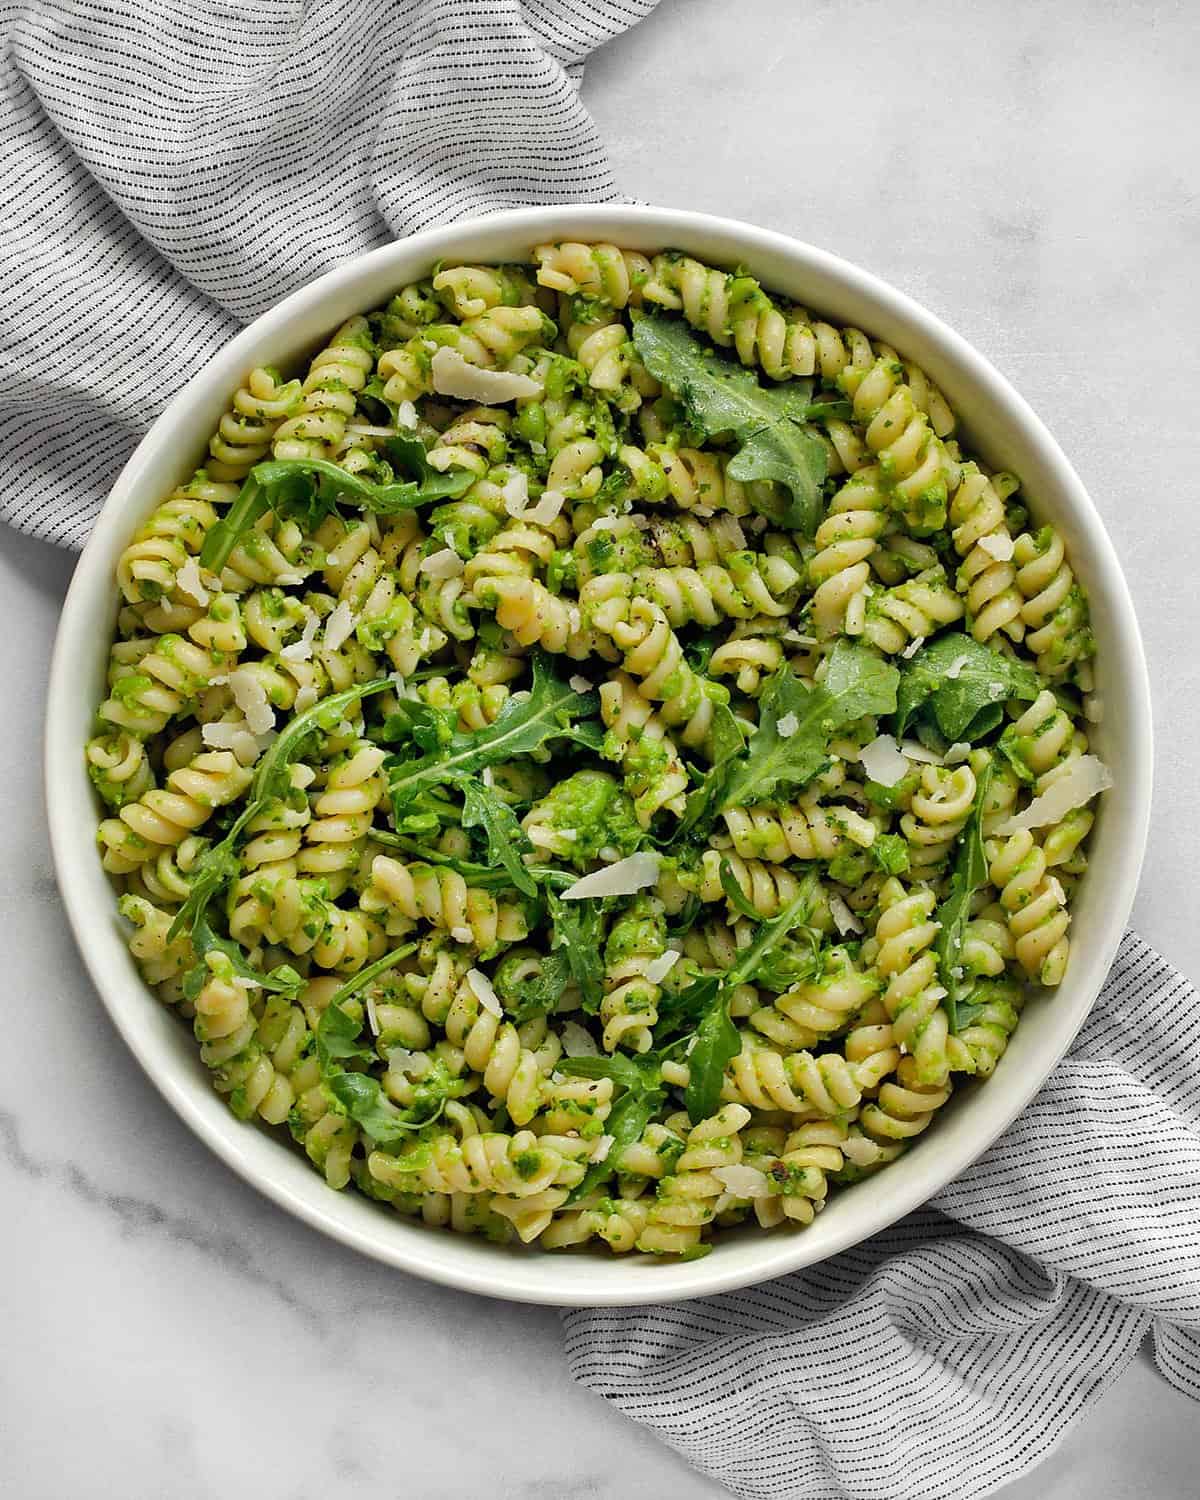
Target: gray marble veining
column 1030, row 173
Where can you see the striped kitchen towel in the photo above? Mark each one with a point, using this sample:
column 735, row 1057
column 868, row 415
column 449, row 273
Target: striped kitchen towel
column 174, row 167
column 946, row 1356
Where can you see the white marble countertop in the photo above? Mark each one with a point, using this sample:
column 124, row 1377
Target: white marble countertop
column 1029, row 173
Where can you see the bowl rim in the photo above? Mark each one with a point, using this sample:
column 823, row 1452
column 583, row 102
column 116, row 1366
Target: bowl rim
column 422, row 1255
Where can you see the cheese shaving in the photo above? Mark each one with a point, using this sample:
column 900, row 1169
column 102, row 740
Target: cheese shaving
column 339, row 627
column 462, row 935
column 914, row 750
column 453, row 376
column 787, row 726
column 957, row 753
column 1083, row 779
column 576, row 1041
column 999, row 545
column 190, row 583
column 955, row 668
column 484, row 992
column 251, row 697
column 515, row 492
column 743, row 1181
column 603, row 1146
column 843, row 918
column 883, row 762
column 658, row 968
column 913, row 647
column 626, row 877
column 301, row 650
column 579, row 684
column 406, row 415
column 443, row 564
column 373, row 1018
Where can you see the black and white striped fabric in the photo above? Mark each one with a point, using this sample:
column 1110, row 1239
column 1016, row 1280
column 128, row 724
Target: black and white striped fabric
column 946, row 1356
column 174, row 167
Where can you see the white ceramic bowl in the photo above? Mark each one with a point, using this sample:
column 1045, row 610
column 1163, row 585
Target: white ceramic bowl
column 997, row 424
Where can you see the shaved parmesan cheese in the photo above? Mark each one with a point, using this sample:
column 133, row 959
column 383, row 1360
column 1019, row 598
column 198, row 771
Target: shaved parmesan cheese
column 359, row 429
column 579, row 684
column 843, row 918
column 305, row 698
column 515, row 491
column 406, row 415
column 913, row 646
column 658, row 968
column 1083, row 779
column 372, row 1016
column 578, row 1042
column 999, row 545
column 484, row 992
column 443, row 564
column 603, row 1146
column 606, row 523
column 798, row 638
column 289, row 580
column 251, row 697
column 339, row 627
column 957, row 752
column 743, row 1182
column 883, row 762
column 914, row 750
column 609, row 853
column 936, row 992
column 487, row 776
column 302, row 775
column 190, row 583
column 787, row 726
column 955, row 668
column 248, row 747
column 301, row 650
column 220, row 736
column 453, row 376
column 462, row 935
column 624, row 878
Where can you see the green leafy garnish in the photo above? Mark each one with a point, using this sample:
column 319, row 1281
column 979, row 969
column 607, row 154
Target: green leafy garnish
column 526, row 996
column 970, row 872
column 282, row 980
column 506, row 840
column 643, row 1096
column 858, row 683
column 357, row 1095
column 308, row 489
column 577, row 929
column 219, row 864
column 549, row 711
column 706, row 1000
column 776, row 440
column 968, row 705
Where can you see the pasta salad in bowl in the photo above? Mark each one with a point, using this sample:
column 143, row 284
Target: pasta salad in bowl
column 599, row 746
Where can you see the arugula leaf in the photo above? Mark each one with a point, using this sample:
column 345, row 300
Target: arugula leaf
column 706, row 1000
column 644, row 1095
column 970, row 872
column 219, row 864
column 771, row 423
column 282, row 980
column 857, row 683
column 484, row 877
column 308, row 489
column 968, row 705
column 534, row 994
column 506, row 840
column 525, row 723
column 577, row 929
column 718, row 1042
